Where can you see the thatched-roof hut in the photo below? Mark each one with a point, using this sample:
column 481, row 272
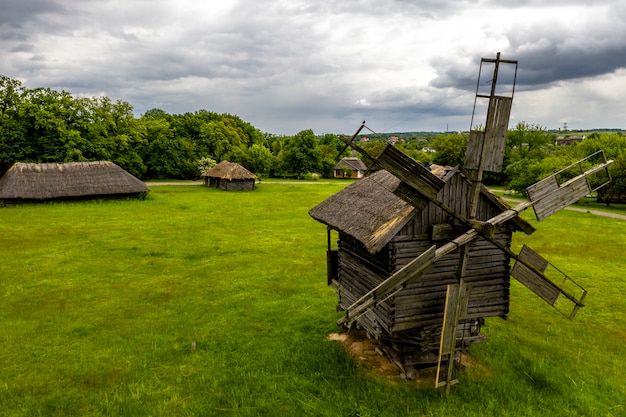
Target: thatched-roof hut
column 379, row 233
column 32, row 182
column 350, row 167
column 229, row 176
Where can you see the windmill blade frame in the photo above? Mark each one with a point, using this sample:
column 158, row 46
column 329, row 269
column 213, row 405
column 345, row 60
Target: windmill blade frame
column 551, row 194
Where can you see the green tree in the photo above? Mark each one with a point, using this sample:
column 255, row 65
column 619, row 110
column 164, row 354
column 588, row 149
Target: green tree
column 450, row 148
column 530, row 156
column 13, row 144
column 114, row 134
column 51, row 127
column 526, row 172
column 333, row 149
column 10, row 96
column 258, row 159
column 527, row 141
column 420, row 155
column 372, row 148
column 219, row 139
column 614, row 147
column 165, row 155
column 302, row 154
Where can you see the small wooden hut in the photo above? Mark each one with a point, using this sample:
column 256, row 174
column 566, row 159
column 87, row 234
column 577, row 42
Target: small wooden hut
column 350, row 167
column 32, row 182
column 379, row 233
column 229, row 176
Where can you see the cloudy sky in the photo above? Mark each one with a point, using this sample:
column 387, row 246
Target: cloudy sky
column 326, row 65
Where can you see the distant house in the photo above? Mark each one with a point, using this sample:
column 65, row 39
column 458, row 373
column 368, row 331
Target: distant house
column 229, row 176
column 561, row 140
column 30, row 182
column 350, row 167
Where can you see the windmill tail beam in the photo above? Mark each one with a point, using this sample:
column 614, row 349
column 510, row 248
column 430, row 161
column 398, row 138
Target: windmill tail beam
column 350, row 142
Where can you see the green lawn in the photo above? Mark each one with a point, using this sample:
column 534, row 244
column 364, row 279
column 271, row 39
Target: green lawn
column 103, row 302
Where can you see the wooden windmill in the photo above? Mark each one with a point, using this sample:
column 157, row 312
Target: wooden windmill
column 423, row 258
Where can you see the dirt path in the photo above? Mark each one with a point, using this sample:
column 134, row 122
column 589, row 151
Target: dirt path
column 159, row 183
column 150, row 184
column 581, row 210
column 598, row 213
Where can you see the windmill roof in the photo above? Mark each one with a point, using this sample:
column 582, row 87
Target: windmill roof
column 32, row 181
column 369, row 211
column 229, row 171
column 366, row 210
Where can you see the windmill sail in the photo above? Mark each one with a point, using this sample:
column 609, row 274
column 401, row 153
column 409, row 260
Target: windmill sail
column 485, row 148
column 550, row 195
column 530, row 269
column 485, row 152
column 492, row 138
column 419, row 186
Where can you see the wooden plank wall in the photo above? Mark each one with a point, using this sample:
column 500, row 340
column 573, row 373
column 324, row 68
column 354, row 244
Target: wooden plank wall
column 455, row 195
column 359, row 272
column 411, row 320
column 421, row 303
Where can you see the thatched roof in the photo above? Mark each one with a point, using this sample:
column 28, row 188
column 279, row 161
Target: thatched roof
column 229, row 171
column 352, row 163
column 366, row 210
column 370, row 212
column 31, row 181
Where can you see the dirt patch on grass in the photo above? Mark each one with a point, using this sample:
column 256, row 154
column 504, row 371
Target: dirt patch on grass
column 367, row 353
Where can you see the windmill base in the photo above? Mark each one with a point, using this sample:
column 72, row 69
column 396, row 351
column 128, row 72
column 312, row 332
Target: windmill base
column 417, row 351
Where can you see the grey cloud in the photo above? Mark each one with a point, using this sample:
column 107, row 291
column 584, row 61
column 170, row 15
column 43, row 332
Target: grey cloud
column 548, row 54
column 15, row 13
column 276, row 63
column 23, row 47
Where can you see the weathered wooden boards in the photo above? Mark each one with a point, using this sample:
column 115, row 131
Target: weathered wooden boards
column 457, row 300
column 421, row 301
column 421, row 186
column 533, row 277
column 530, row 269
column 417, row 305
column 490, row 143
column 549, row 196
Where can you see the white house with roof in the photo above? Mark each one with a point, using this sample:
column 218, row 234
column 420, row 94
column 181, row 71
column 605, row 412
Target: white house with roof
column 350, row 167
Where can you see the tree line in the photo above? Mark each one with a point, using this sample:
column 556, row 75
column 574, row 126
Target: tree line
column 45, row 125
column 532, row 154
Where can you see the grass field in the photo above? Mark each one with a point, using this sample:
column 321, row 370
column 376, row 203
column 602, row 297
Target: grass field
column 199, row 302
